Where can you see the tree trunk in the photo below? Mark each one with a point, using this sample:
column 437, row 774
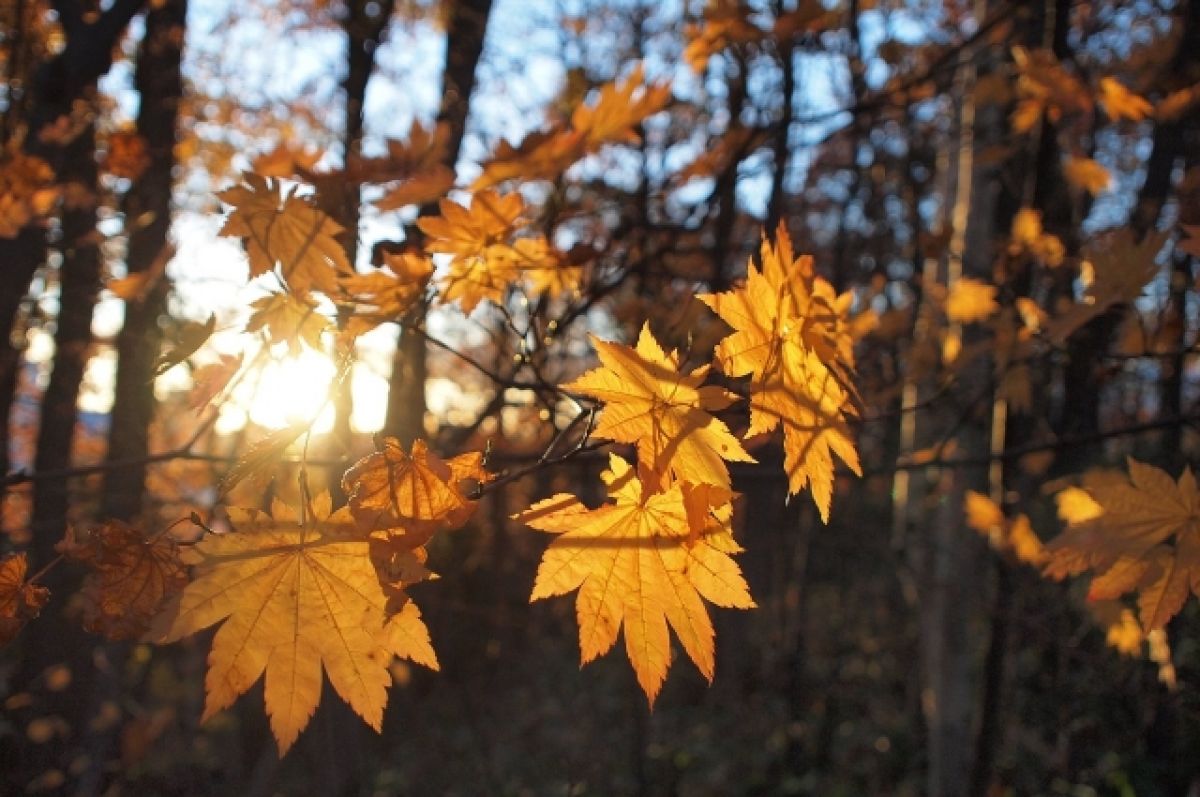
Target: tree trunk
column 465, row 31
column 55, row 86
column 148, row 219
column 79, row 284
column 953, row 559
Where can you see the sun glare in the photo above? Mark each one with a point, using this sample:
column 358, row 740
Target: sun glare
column 292, row 390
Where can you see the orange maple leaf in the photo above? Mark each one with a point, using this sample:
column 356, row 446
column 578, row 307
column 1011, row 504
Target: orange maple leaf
column 130, row 577
column 637, row 564
column 285, row 234
column 20, row 601
column 482, row 264
column 1140, row 534
column 666, row 413
column 294, row 597
column 385, row 294
column 793, row 340
column 619, row 107
column 412, row 496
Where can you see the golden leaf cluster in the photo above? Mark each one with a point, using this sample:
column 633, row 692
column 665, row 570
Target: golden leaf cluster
column 792, row 338
column 486, row 257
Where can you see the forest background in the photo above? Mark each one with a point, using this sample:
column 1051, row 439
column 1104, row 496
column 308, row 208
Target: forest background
column 323, row 277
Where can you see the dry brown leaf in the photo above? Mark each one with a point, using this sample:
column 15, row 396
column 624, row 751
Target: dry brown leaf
column 130, row 577
column 20, row 600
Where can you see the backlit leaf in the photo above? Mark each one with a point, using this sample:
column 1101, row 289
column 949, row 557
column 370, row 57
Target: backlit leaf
column 650, row 402
column 636, row 567
column 294, row 598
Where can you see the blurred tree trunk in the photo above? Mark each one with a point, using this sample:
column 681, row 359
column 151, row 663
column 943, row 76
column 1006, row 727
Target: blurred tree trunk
column 147, row 210
column 952, row 558
column 54, row 87
column 79, row 284
column 365, row 23
column 466, row 28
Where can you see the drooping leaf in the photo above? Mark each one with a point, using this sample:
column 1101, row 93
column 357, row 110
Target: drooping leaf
column 211, row 379
column 130, row 577
column 185, row 341
column 649, row 402
column 636, row 566
column 1115, row 271
column 294, row 598
column 20, row 600
column 255, row 464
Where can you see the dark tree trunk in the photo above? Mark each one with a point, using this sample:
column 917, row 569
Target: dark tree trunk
column 465, row 31
column 79, row 284
column 365, row 24
column 55, row 86
column 148, row 219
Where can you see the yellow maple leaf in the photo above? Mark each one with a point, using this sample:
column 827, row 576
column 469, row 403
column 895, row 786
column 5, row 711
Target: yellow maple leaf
column 293, row 598
column 545, row 155
column 284, row 318
column 636, row 564
column 1121, row 103
column 792, row 339
column 547, row 270
column 285, row 234
column 666, row 413
column 1142, row 535
column 971, row 300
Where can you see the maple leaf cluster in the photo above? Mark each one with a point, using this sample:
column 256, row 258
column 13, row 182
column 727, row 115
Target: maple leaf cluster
column 305, row 590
